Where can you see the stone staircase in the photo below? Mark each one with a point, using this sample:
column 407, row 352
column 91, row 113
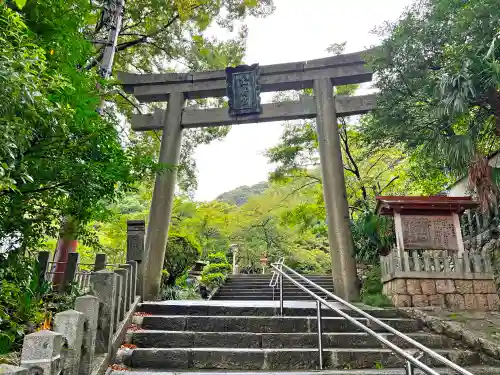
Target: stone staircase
column 216, row 337
column 256, row 288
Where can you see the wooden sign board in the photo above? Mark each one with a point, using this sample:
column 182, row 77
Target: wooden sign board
column 429, row 232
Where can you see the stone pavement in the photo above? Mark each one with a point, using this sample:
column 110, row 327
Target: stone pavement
column 477, row 329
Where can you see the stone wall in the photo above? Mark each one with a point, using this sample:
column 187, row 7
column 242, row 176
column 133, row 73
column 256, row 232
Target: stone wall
column 462, row 294
column 488, row 243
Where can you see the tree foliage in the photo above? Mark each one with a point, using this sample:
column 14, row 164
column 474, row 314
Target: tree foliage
column 59, row 157
column 438, row 75
column 181, row 253
column 163, row 36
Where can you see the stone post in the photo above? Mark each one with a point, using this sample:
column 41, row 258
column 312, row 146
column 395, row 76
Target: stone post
column 128, row 295
column 119, row 313
column 134, row 283
column 70, row 272
column 89, row 306
column 104, row 286
column 136, row 230
column 70, row 323
column 124, row 291
column 235, row 250
column 41, row 353
column 334, row 191
column 163, row 194
column 100, row 262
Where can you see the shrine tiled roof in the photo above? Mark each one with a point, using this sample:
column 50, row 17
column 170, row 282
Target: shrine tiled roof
column 388, row 205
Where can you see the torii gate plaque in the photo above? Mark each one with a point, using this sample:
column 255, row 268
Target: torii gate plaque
column 243, row 90
column 321, row 75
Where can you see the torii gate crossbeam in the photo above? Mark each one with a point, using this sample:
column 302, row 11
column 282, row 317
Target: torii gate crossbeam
column 321, row 75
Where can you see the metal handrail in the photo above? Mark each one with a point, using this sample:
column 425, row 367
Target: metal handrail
column 274, row 277
column 411, row 361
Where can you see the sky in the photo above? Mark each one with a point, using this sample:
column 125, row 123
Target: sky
column 298, row 30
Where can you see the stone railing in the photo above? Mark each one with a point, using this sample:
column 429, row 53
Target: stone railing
column 84, row 340
column 435, row 264
column 439, row 278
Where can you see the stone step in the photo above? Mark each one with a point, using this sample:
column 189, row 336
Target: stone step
column 267, row 287
column 253, row 297
column 256, row 293
column 476, row 370
column 267, row 290
column 285, row 282
column 187, row 339
column 286, row 324
column 269, row 276
column 162, row 308
column 279, row 359
column 266, row 282
column 268, row 279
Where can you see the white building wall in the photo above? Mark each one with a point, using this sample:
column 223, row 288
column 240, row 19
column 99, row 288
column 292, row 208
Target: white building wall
column 461, row 187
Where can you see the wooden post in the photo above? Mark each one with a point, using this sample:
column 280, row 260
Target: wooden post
column 163, row 194
column 398, row 228
column 43, row 264
column 334, row 191
column 458, row 233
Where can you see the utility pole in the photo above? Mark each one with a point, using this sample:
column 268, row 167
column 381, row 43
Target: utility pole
column 115, row 11
column 111, row 20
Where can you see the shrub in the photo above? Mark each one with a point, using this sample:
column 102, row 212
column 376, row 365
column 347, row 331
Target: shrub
column 213, row 280
column 371, row 292
column 180, row 293
column 223, row 268
column 373, row 236
column 21, row 308
column 218, row 257
column 181, row 253
column 215, row 273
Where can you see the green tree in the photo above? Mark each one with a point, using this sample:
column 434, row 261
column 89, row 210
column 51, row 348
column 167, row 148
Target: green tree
column 181, row 254
column 438, row 72
column 163, row 36
column 59, row 157
column 208, row 221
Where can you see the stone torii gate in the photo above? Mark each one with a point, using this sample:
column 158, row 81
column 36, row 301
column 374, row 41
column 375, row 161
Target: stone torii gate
column 243, row 85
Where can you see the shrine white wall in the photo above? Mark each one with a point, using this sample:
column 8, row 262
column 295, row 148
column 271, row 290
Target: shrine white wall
column 461, row 187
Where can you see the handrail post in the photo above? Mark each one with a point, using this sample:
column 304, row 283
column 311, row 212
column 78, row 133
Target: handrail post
column 320, row 335
column 281, row 293
column 410, row 369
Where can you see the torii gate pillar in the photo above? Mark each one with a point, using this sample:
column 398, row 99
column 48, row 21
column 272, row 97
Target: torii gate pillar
column 163, row 196
column 334, row 192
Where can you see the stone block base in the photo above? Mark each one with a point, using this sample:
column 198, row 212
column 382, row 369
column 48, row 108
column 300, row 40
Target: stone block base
column 447, row 293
